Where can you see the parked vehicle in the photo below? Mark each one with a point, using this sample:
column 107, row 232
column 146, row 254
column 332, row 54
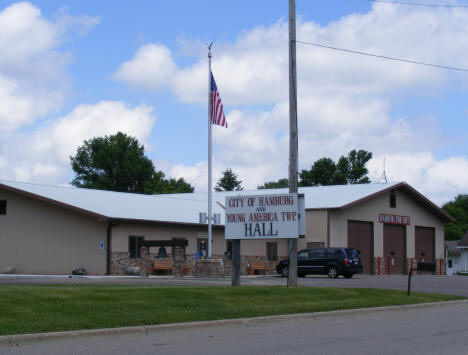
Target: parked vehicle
column 324, row 261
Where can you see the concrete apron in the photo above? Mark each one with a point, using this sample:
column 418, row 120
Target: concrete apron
column 22, row 339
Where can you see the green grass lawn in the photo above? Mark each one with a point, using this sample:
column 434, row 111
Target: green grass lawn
column 32, row 309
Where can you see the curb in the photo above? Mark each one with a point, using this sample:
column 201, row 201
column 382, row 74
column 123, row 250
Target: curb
column 21, row 339
column 4, row 340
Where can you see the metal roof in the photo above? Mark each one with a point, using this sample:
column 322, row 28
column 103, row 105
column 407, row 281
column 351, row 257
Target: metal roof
column 451, row 246
column 183, row 208
column 316, row 197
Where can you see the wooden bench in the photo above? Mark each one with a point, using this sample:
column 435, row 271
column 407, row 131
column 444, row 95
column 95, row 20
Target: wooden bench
column 254, row 267
column 162, row 265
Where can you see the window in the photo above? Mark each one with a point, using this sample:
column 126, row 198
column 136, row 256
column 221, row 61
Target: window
column 393, row 199
column 304, row 254
column 317, row 253
column 336, row 253
column 2, row 206
column 133, row 248
column 352, row 253
column 272, row 251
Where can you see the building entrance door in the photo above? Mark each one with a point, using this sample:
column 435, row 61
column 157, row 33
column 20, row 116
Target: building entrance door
column 395, row 248
column 361, row 238
column 424, row 244
column 449, row 270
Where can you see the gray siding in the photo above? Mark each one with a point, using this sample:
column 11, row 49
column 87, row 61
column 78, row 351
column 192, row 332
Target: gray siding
column 37, row 237
column 316, row 228
column 368, row 211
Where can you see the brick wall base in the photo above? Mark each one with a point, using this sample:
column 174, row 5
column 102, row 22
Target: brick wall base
column 210, row 267
column 120, row 261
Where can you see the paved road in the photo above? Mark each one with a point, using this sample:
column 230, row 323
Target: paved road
column 455, row 285
column 437, row 330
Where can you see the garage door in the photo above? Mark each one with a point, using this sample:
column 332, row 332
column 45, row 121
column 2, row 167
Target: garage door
column 360, row 237
column 425, row 241
column 395, row 248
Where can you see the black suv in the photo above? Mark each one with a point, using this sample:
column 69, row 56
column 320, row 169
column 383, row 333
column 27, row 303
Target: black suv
column 327, row 261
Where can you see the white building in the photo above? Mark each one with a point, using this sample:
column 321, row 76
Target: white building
column 53, row 230
column 457, row 256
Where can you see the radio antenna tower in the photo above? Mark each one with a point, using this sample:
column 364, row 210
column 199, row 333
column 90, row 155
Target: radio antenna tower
column 383, row 177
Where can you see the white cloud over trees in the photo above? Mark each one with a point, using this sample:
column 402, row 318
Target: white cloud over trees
column 43, row 155
column 344, row 101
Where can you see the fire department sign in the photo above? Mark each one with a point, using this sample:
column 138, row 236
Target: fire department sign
column 394, row 219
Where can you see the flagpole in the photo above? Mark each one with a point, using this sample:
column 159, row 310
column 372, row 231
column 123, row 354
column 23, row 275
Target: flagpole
column 210, row 219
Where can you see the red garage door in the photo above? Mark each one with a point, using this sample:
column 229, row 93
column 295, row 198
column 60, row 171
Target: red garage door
column 360, row 237
column 424, row 244
column 395, row 248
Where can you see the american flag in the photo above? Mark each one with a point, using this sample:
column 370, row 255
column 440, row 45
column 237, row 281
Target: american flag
column 217, row 113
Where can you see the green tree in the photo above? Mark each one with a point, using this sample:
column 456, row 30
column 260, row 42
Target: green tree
column 349, row 170
column 458, row 209
column 342, row 168
column 228, row 182
column 357, row 171
column 322, row 173
column 172, row 186
column 118, row 163
column 281, row 183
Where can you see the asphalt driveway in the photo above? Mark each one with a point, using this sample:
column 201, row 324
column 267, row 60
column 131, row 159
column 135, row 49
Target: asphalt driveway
column 453, row 285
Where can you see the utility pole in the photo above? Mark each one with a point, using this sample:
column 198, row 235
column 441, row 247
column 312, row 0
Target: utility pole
column 293, row 145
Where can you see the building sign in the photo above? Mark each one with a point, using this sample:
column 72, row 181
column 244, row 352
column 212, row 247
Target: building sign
column 394, row 219
column 265, row 216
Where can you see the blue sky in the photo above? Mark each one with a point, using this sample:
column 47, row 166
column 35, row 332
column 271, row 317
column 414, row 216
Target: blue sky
column 70, row 71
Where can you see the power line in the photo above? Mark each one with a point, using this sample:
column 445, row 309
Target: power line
column 384, row 57
column 416, row 4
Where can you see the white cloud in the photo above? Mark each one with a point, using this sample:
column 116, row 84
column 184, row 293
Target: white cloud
column 254, row 69
column 20, row 106
column 43, row 155
column 441, row 180
column 80, row 24
column 256, row 147
column 345, row 101
column 196, row 175
column 25, row 33
column 104, row 118
column 33, row 82
column 150, row 68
